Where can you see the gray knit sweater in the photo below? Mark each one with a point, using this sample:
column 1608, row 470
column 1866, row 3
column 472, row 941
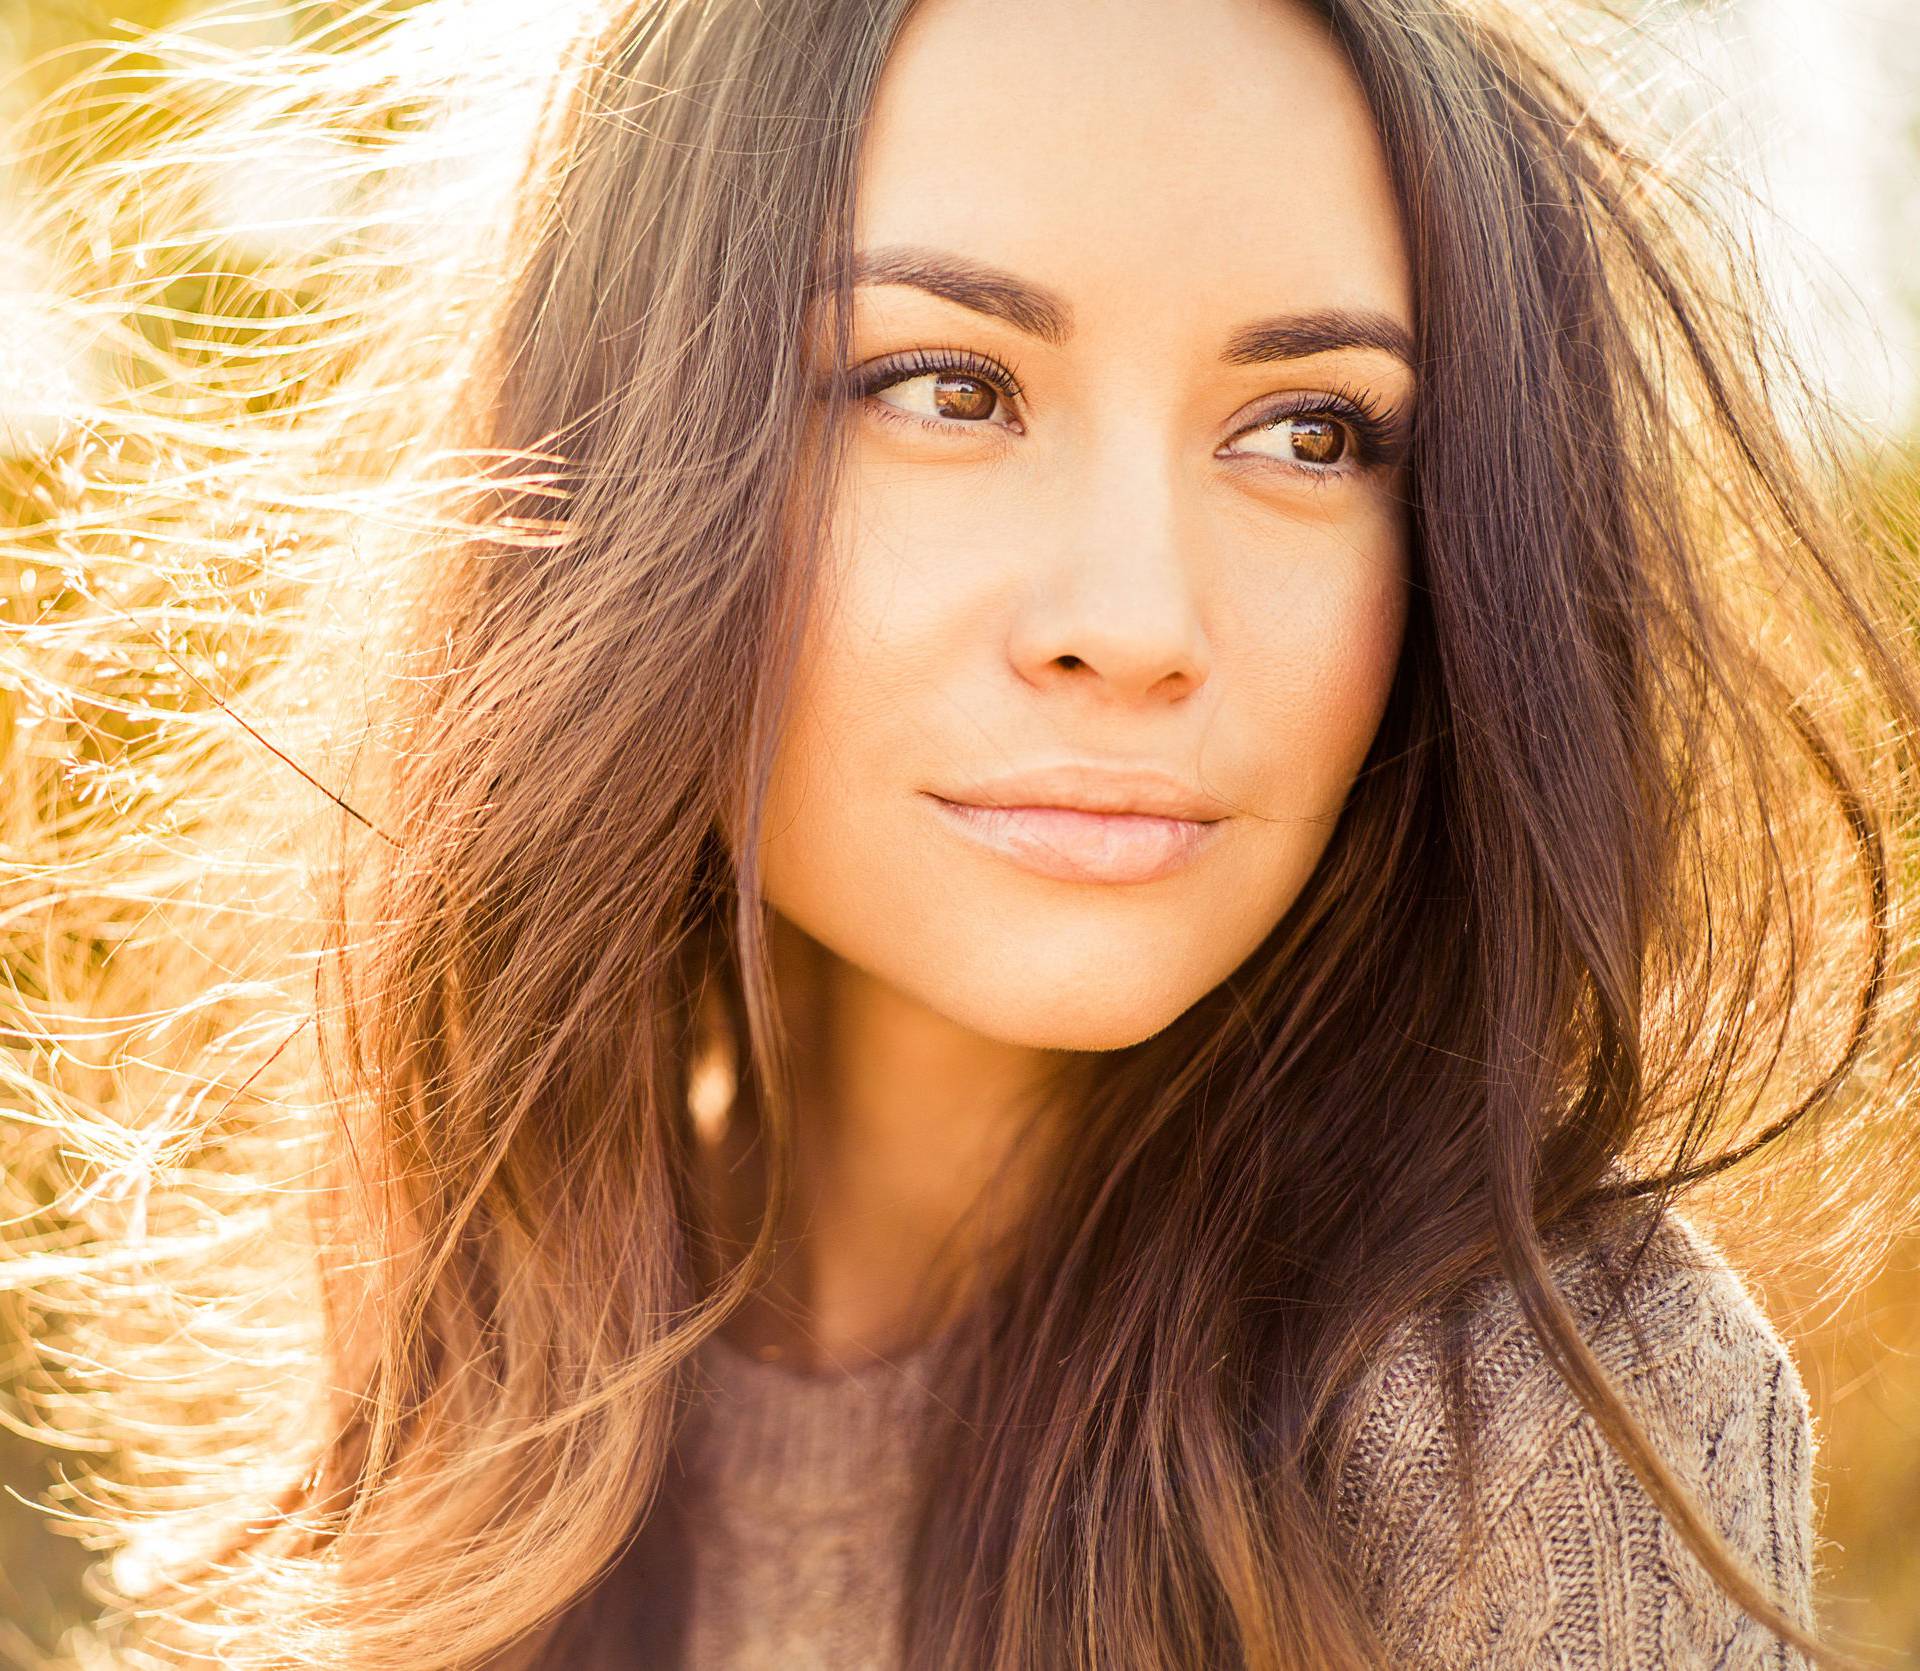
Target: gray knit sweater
column 798, row 1486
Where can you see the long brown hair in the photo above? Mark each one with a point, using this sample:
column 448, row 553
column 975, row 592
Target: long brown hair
column 1615, row 905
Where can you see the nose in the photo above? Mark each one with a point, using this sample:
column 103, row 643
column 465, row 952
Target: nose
column 1115, row 601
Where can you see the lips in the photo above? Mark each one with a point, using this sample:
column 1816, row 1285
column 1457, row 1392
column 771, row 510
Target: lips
column 1071, row 844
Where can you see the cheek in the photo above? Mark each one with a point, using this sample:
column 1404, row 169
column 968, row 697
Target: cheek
column 878, row 705
column 850, row 741
column 1316, row 650
column 1310, row 655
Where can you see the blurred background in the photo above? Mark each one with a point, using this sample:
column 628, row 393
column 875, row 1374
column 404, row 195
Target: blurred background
column 1819, row 106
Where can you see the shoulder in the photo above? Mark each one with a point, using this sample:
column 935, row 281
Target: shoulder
column 1549, row 1538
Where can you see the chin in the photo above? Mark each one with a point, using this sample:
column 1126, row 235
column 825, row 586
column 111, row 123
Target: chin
column 1034, row 967
column 1054, row 1008
column 1096, row 1030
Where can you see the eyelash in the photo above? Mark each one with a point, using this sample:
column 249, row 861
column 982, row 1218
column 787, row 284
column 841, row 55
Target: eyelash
column 902, row 368
column 1376, row 434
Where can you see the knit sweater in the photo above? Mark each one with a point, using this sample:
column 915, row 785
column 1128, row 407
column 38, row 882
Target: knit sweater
column 796, row 1488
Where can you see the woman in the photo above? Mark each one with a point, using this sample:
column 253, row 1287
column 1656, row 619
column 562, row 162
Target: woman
column 1185, row 730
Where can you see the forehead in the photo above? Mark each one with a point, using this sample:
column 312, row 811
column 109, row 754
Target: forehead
column 1136, row 152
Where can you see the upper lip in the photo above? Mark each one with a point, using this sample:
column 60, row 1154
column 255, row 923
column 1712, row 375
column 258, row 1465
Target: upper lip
column 1088, row 786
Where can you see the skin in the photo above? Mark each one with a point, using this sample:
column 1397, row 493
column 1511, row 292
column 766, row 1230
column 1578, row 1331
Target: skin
column 1119, row 564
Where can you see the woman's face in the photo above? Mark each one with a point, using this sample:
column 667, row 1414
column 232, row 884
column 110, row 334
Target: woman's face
column 1124, row 493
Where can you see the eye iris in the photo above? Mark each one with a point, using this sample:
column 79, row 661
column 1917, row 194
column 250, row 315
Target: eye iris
column 963, row 397
column 1316, row 440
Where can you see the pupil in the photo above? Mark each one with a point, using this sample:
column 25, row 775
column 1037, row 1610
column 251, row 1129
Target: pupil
column 1317, row 440
column 962, row 397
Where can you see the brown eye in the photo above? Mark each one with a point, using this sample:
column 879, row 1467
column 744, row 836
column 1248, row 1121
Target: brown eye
column 1315, row 440
column 940, row 389
column 963, row 397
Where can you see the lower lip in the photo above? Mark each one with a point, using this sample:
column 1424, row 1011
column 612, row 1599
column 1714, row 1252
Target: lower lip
column 1073, row 846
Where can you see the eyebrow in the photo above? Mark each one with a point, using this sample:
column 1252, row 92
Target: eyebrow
column 1042, row 313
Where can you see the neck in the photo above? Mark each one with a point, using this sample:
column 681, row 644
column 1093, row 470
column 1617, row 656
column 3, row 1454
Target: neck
column 909, row 1167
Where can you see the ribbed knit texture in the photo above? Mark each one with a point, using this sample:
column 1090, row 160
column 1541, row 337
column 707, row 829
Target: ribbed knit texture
column 797, row 1494
column 799, row 1486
